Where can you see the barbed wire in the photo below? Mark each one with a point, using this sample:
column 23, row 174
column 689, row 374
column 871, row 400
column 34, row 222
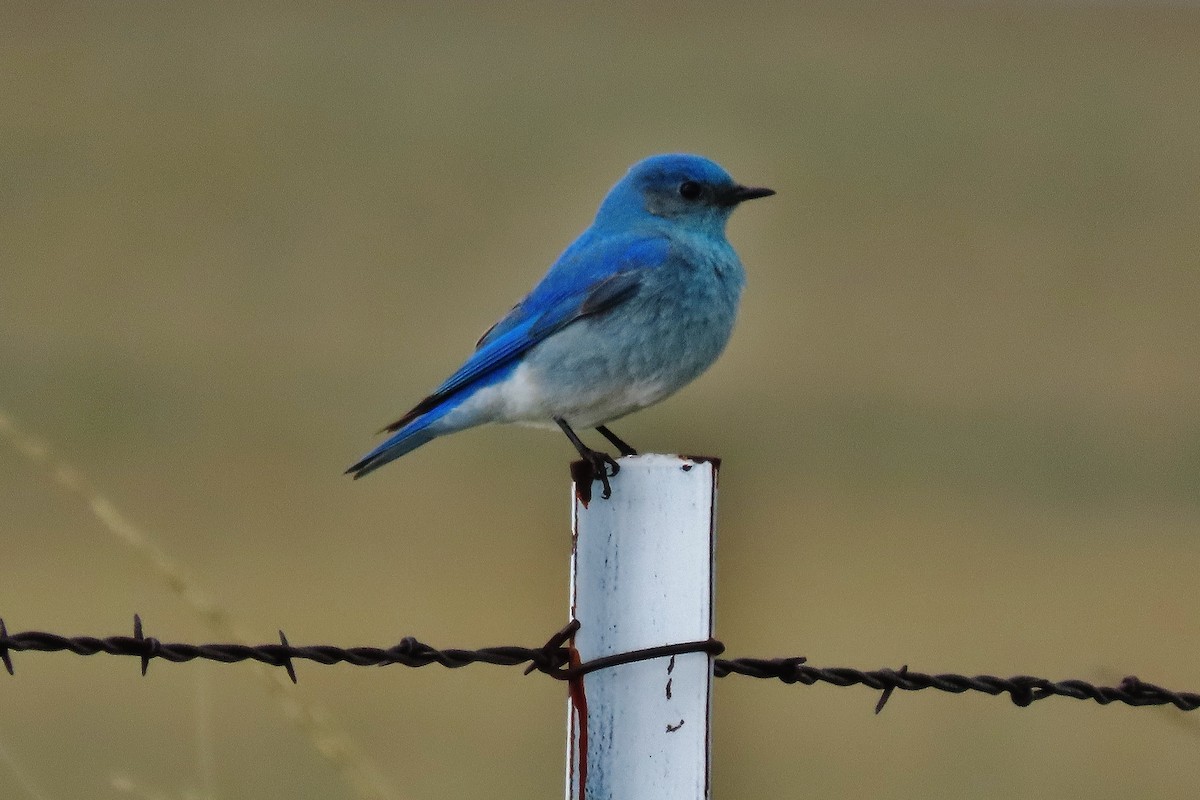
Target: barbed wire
column 554, row 659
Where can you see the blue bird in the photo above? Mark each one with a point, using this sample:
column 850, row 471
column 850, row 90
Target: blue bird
column 636, row 308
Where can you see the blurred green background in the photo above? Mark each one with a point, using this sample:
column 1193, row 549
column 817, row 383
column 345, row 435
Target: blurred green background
column 960, row 416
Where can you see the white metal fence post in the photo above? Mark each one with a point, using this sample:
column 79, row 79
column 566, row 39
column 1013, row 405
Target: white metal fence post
column 642, row 576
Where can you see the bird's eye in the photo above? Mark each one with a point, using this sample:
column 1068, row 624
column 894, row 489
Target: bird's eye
column 690, row 190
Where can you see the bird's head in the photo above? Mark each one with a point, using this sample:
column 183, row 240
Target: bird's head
column 690, row 190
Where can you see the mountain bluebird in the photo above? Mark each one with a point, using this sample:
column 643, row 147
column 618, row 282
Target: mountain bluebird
column 641, row 304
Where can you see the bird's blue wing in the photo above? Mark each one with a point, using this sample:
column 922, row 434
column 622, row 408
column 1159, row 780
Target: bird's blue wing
column 591, row 277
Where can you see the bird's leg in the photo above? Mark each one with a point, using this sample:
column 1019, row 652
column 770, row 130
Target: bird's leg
column 600, row 461
column 617, row 441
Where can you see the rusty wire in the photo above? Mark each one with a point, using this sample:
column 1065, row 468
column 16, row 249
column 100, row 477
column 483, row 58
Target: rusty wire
column 553, row 658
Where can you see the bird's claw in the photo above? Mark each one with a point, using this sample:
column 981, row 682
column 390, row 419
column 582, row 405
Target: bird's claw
column 600, row 462
column 593, row 465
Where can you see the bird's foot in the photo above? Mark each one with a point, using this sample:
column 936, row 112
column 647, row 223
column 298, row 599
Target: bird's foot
column 600, row 462
column 594, row 466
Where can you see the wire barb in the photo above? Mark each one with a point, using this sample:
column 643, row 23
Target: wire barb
column 149, row 647
column 554, row 659
column 286, row 655
column 553, row 653
column 4, row 656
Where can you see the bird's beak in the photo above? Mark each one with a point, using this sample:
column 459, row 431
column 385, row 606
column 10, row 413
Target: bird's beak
column 737, row 194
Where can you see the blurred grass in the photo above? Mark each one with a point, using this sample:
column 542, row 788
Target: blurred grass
column 959, row 416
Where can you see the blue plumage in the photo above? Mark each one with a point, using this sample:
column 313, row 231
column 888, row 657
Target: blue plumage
column 637, row 307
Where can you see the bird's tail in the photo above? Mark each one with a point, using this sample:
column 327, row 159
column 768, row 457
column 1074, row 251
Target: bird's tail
column 416, row 433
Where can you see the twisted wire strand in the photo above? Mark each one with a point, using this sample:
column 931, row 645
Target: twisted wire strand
column 553, row 658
